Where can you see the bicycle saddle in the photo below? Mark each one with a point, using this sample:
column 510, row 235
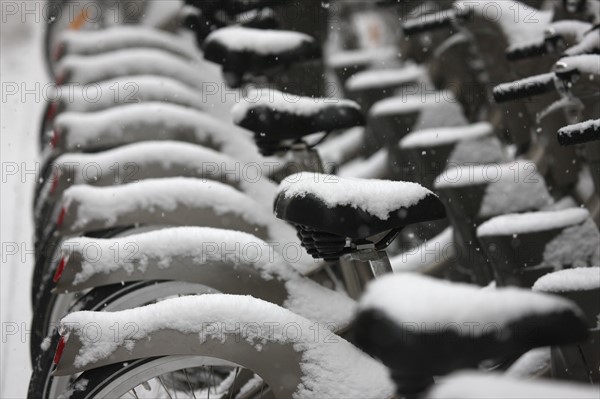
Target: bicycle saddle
column 421, row 327
column 247, row 51
column 335, row 215
column 275, row 116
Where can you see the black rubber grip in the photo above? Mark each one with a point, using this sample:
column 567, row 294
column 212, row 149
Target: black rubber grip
column 547, row 46
column 579, row 133
column 524, row 88
column 431, row 22
column 527, row 51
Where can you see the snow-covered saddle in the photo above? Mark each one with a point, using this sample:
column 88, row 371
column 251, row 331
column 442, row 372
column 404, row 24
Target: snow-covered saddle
column 242, row 51
column 275, row 116
column 335, row 215
column 422, row 327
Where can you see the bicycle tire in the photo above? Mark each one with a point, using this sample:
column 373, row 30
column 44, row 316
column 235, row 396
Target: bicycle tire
column 109, row 298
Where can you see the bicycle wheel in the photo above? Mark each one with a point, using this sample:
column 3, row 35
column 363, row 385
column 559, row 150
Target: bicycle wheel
column 169, row 377
column 110, row 298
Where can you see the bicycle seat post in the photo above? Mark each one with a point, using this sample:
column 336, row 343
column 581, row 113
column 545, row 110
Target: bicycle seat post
column 305, row 158
column 379, row 261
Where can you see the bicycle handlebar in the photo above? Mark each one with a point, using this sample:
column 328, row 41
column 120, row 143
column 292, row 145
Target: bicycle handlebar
column 547, row 46
column 579, row 133
column 524, row 88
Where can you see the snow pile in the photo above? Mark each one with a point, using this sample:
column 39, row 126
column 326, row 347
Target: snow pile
column 519, row 22
column 446, row 135
column 404, row 104
column 331, row 366
column 434, row 251
column 261, row 41
column 96, row 68
column 106, row 205
column 337, row 149
column 207, row 245
column 128, row 90
column 285, row 103
column 586, row 64
column 137, row 122
column 485, row 150
column 570, row 280
column 430, row 303
column 588, row 45
column 376, row 197
column 135, row 160
column 109, row 204
column 447, row 112
column 472, row 385
column 512, row 187
column 374, row 167
column 532, row 364
column 571, row 28
column 532, row 222
column 369, row 56
column 86, row 42
column 575, row 246
column 386, row 78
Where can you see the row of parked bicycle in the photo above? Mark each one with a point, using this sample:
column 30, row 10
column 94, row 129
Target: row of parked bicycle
column 216, row 222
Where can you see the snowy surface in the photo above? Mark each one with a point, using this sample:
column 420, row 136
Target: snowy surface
column 531, row 364
column 22, row 64
column 570, row 28
column 139, row 120
column 409, row 103
column 586, row 63
column 285, row 103
column 446, row 135
column 471, row 385
column 385, row 78
column 374, row 167
column 205, row 245
column 335, row 150
column 436, row 250
column 86, row 42
column 133, row 159
column 376, row 197
column 575, row 246
column 106, row 204
column 95, row 68
column 331, row 366
column 518, row 22
column 431, row 303
column 569, row 280
column 128, row 90
column 532, row 222
column 590, row 42
column 510, row 187
column 371, row 56
column 261, row 41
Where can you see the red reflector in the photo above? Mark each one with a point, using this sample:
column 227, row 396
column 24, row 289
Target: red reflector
column 59, row 269
column 59, row 51
column 59, row 349
column 52, row 111
column 60, row 79
column 54, row 182
column 61, row 217
column 55, row 138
